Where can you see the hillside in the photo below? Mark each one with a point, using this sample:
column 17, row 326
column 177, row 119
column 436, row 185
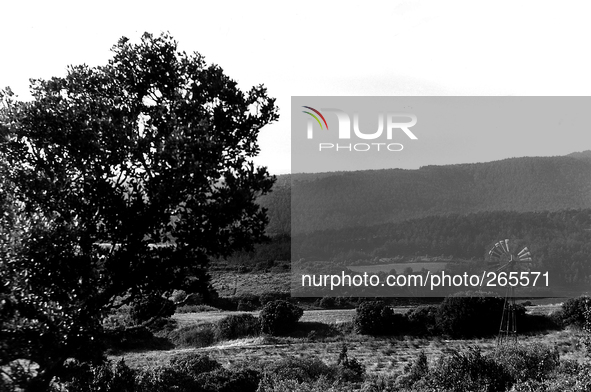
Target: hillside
column 366, row 198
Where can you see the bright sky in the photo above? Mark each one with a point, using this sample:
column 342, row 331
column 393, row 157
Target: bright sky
column 322, row 48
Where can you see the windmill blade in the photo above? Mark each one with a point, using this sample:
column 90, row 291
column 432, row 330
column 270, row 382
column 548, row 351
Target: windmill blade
column 525, row 256
column 507, row 245
column 522, row 251
column 493, row 264
column 503, row 266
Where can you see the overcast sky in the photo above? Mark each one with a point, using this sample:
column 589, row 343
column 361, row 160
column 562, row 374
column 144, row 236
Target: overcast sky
column 323, row 48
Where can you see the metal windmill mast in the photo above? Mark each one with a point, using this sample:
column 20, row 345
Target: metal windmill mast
column 504, row 255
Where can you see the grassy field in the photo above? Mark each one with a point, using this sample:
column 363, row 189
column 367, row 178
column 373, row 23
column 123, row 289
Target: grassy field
column 378, row 354
column 310, row 316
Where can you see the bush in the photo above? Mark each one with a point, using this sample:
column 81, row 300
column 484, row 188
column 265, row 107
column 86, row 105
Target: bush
column 165, row 379
column 273, row 383
column 245, row 306
column 273, row 296
column 202, row 335
column 422, row 320
column 569, row 376
column 223, row 380
column 414, row 371
column 162, row 325
column 327, row 303
column 247, row 302
column 462, row 315
column 539, row 323
column 194, row 364
column 377, row 318
column 278, row 317
column 349, row 369
column 139, row 338
column 534, row 362
column 102, row 377
column 573, row 311
column 557, row 318
column 467, row 372
column 236, row 326
column 145, row 308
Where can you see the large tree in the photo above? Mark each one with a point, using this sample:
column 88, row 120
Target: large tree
column 119, row 181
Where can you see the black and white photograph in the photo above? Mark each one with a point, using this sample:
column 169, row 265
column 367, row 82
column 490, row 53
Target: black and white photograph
column 303, row 196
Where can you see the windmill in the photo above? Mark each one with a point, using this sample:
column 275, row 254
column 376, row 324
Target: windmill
column 509, row 256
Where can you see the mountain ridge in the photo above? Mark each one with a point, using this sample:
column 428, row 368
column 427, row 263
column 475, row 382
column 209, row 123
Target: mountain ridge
column 308, row 202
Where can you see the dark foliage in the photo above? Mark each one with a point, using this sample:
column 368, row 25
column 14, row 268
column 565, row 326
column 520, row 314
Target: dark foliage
column 266, row 255
column 188, row 373
column 335, row 303
column 278, row 317
column 202, row 335
column 463, row 315
column 422, row 320
column 573, row 311
column 377, row 318
column 468, row 372
column 539, row 323
column 237, row 326
column 349, row 369
column 223, row 380
column 560, row 241
column 124, row 339
column 165, row 379
column 120, row 181
column 471, row 371
column 148, row 307
column 105, row 377
column 248, row 302
column 194, row 364
column 531, row 362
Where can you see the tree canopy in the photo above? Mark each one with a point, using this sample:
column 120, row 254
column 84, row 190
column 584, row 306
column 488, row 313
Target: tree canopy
column 117, row 182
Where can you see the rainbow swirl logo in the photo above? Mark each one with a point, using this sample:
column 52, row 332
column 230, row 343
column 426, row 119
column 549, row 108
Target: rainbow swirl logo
column 316, row 118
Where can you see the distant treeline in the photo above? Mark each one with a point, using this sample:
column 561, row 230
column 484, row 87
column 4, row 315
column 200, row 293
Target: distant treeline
column 559, row 241
column 271, row 255
column 365, row 198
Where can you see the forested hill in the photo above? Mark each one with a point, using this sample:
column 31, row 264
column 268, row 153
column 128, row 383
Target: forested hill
column 365, row 198
column 559, row 241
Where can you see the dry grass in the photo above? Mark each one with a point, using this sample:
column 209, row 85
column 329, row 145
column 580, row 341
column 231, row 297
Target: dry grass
column 319, row 316
column 184, row 319
column 232, row 283
column 379, row 355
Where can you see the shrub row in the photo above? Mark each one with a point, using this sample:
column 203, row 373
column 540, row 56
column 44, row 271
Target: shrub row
column 249, row 302
column 472, row 371
column 515, row 368
column 198, row 373
column 190, row 373
column 276, row 318
column 458, row 316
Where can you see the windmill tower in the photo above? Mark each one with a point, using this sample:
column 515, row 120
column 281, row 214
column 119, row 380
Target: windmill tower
column 510, row 257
